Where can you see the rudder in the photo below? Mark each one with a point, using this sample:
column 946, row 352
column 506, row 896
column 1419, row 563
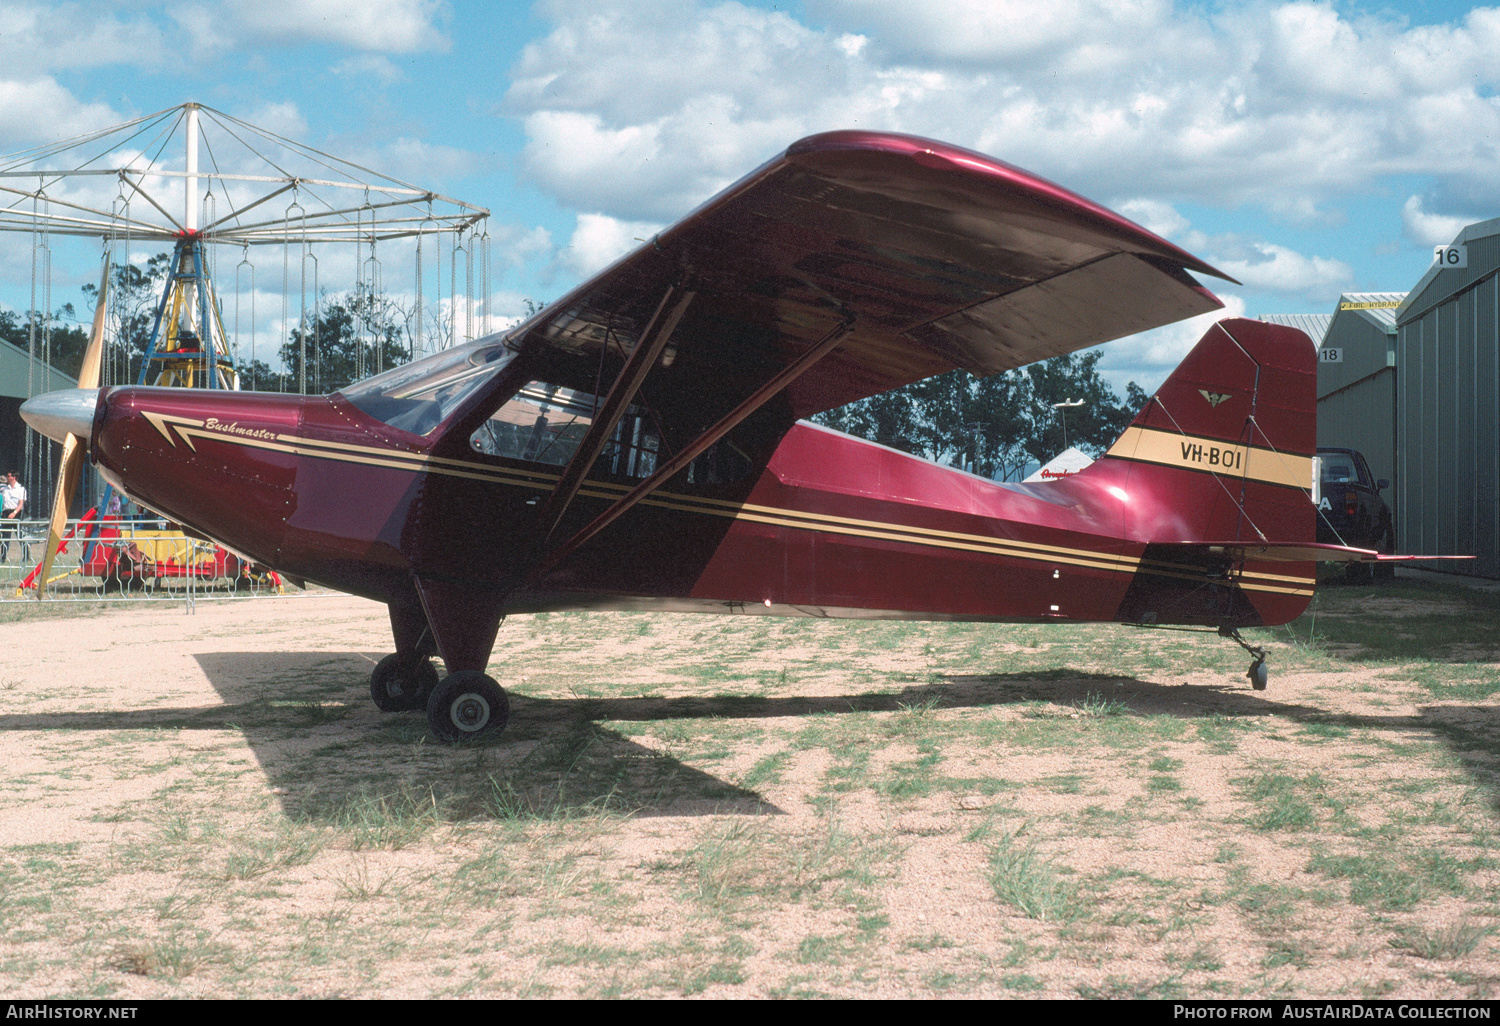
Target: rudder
column 1225, row 446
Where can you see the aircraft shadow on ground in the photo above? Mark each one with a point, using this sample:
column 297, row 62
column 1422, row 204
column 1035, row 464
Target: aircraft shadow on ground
column 310, row 722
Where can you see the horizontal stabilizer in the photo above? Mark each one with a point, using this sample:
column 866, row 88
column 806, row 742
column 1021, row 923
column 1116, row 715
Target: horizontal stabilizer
column 1300, row 552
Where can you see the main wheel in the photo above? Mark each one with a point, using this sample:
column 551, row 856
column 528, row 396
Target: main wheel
column 399, row 683
column 466, row 705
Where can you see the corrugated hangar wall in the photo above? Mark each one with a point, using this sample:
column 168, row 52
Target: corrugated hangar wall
column 1357, row 391
column 1448, row 409
column 1356, row 376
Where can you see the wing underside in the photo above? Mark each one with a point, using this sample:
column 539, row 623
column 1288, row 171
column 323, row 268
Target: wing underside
column 930, row 256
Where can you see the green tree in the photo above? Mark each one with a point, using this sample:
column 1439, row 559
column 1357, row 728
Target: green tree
column 64, row 342
column 352, row 337
column 1091, row 427
column 996, row 425
column 136, row 291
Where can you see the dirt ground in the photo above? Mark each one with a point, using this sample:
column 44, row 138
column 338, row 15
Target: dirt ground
column 209, row 805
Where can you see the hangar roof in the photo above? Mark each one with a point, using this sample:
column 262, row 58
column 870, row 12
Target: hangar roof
column 13, row 374
column 1379, row 308
column 1314, row 326
column 1483, row 241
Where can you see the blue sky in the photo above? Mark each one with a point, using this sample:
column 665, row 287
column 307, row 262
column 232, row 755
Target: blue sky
column 1305, row 148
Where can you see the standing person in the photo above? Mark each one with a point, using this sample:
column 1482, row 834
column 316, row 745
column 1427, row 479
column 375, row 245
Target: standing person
column 12, row 502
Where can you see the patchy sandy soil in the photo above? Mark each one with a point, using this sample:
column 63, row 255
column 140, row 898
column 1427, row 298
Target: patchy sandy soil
column 209, row 805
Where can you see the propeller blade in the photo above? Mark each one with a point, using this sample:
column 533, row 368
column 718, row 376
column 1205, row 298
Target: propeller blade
column 73, row 447
column 93, row 354
column 67, row 484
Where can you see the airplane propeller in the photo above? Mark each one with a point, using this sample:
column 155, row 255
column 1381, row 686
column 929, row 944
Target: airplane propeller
column 73, row 446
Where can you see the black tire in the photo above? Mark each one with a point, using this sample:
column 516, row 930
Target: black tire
column 1385, row 571
column 399, row 684
column 467, row 706
column 1259, row 675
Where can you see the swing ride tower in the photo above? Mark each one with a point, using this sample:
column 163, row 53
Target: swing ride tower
column 188, row 346
column 208, row 186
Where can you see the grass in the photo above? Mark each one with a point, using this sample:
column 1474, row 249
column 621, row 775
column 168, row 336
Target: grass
column 1389, row 882
column 1283, row 801
column 1031, row 883
column 758, row 807
column 1442, row 943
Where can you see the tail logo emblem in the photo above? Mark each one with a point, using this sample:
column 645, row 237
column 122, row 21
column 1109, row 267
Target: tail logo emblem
column 1214, row 398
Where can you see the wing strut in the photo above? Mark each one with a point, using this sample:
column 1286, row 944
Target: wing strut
column 658, row 332
column 693, row 449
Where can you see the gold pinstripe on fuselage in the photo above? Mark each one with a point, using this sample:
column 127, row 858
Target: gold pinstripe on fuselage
column 776, row 516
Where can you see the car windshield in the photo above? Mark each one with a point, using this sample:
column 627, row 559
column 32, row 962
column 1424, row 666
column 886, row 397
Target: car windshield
column 419, row 396
column 1338, row 468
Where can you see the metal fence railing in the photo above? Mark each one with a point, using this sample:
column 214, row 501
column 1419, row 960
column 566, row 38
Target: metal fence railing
column 125, row 560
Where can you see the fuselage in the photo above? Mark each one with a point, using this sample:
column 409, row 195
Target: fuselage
column 829, row 525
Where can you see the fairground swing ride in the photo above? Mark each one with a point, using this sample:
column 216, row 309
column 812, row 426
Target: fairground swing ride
column 331, row 225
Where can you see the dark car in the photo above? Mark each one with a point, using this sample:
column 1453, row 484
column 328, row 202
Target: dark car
column 1351, row 511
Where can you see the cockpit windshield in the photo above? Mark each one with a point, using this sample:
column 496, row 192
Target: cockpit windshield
column 421, row 395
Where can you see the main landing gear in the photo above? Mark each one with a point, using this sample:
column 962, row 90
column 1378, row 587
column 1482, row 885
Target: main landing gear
column 462, row 706
column 467, row 705
column 461, row 622
column 1257, row 673
column 402, row 681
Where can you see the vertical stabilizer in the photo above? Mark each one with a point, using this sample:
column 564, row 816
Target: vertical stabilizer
column 1223, row 453
column 1226, row 444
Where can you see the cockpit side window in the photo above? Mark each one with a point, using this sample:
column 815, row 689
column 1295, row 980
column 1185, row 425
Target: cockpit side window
column 546, row 422
column 720, row 463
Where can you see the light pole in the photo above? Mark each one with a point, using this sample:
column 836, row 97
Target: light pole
column 1064, row 406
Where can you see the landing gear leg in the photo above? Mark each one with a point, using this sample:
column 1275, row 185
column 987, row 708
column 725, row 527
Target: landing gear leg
column 467, row 704
column 1257, row 673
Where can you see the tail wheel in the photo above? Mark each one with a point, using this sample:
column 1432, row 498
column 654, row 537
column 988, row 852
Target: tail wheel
column 400, row 683
column 467, row 705
column 1258, row 674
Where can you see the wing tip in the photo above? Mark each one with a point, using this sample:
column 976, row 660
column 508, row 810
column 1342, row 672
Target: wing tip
column 941, row 156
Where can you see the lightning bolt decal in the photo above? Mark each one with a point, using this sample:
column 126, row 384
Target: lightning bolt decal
column 160, row 421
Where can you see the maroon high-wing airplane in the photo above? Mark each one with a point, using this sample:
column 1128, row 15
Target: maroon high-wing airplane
column 639, row 444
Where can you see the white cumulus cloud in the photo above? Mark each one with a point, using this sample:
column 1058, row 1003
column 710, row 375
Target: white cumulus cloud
column 41, row 110
column 1289, row 106
column 599, row 240
column 1268, row 266
column 1147, row 358
column 1426, row 229
column 1154, row 216
column 383, row 26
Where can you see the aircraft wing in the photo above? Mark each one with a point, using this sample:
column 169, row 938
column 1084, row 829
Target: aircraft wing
column 939, row 258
